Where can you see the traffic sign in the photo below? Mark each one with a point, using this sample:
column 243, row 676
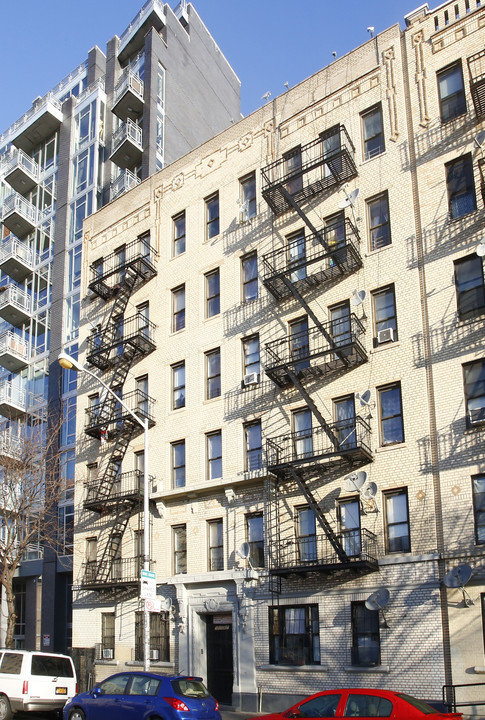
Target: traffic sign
column 148, row 585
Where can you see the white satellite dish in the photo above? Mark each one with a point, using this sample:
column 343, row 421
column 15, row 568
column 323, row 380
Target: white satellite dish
column 166, row 604
column 371, row 491
column 378, row 599
column 458, row 577
column 243, row 551
column 480, row 249
column 358, row 297
column 365, row 397
column 354, row 481
column 349, row 200
column 480, row 139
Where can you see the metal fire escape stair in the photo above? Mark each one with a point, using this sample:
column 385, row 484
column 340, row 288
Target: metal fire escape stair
column 111, row 549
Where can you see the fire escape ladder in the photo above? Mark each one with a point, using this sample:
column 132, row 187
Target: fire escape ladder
column 113, row 544
column 327, row 429
column 319, row 515
column 317, row 322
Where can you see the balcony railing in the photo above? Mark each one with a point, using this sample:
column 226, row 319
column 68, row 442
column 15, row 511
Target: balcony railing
column 16, row 258
column 320, row 166
column 11, row 446
column 476, row 69
column 317, row 449
column 127, row 144
column 128, row 95
column 128, row 486
column 124, row 182
column 41, row 121
column 106, row 347
column 108, row 273
column 109, row 419
column 313, row 353
column 33, row 551
column 307, row 264
column 21, row 172
column 15, row 401
column 15, row 305
column 14, row 351
column 100, row 575
column 19, row 215
column 315, row 553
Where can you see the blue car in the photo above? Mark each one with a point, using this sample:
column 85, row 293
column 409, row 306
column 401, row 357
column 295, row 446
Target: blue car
column 142, row 695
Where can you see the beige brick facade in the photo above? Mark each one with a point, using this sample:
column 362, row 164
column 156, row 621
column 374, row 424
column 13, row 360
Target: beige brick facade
column 426, row 636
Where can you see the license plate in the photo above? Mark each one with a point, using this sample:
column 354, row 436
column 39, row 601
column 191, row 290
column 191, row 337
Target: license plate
column 61, row 690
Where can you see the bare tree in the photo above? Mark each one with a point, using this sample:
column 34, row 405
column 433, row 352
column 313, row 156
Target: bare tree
column 31, row 486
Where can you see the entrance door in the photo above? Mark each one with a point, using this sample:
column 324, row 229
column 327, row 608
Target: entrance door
column 219, row 657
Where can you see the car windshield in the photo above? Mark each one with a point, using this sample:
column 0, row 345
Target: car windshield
column 418, row 704
column 188, row 687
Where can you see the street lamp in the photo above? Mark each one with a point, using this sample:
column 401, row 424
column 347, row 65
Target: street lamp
column 69, row 363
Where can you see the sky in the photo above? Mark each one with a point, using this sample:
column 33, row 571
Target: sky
column 267, row 42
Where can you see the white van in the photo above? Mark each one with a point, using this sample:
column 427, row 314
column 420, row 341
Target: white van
column 31, row 680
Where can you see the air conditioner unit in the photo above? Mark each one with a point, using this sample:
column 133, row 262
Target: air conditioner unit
column 251, row 379
column 384, row 336
column 154, row 654
column 108, row 653
column 477, row 415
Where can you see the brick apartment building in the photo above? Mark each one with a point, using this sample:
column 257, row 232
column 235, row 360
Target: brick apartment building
column 296, row 307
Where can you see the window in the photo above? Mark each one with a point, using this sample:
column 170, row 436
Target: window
column 248, row 194
column 390, row 414
column 159, row 646
column 294, row 637
column 179, row 539
column 251, row 355
column 178, row 308
column 216, row 549
column 253, row 446
column 340, row 324
column 366, row 645
column 344, row 414
column 331, row 145
column 293, row 170
column 65, row 529
column 384, row 311
column 178, row 386
column 297, row 255
column 214, row 455
column 335, row 237
column 397, row 521
column 142, row 398
column 255, row 539
column 460, row 186
column 306, row 535
column 379, row 225
column 349, row 525
column 108, row 635
column 372, row 132
column 178, row 229
column 213, row 374
column 474, row 380
column 470, row 291
column 212, row 294
column 178, row 464
column 302, row 433
column 212, row 216
column 479, row 508
column 249, row 267
column 451, row 92
column 299, row 343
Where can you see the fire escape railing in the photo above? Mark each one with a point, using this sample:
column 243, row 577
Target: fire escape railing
column 111, row 573
column 125, row 486
column 476, row 69
column 108, row 274
column 318, row 170
column 112, row 415
column 107, row 346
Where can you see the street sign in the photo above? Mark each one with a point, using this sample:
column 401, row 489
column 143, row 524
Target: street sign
column 148, row 585
column 153, row 605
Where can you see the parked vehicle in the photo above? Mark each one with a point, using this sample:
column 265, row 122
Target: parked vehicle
column 363, row 703
column 34, row 681
column 141, row 695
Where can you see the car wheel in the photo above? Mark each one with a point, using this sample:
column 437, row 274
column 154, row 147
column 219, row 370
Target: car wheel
column 76, row 714
column 5, row 709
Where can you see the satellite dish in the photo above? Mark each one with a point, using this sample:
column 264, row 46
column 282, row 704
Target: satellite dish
column 378, row 599
column 480, row 249
column 244, row 551
column 458, row 577
column 166, row 604
column 354, row 481
column 358, row 297
column 480, row 139
column 349, row 200
column 364, row 397
column 370, row 491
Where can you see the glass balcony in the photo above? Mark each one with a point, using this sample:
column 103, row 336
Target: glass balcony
column 14, row 352
column 476, row 68
column 128, row 96
column 345, row 443
column 132, row 40
column 11, row 446
column 16, row 258
column 19, row 215
column 15, row 305
column 14, row 401
column 127, row 145
column 320, row 166
column 22, row 172
column 124, row 182
column 38, row 124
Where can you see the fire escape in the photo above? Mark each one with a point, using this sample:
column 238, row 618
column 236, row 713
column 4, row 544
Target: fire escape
column 115, row 348
column 314, row 261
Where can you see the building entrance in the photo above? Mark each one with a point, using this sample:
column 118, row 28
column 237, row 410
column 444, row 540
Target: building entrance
column 220, row 657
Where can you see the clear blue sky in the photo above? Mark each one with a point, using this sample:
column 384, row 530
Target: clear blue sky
column 267, row 42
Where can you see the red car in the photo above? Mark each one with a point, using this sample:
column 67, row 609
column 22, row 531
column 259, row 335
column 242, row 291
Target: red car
column 362, row 703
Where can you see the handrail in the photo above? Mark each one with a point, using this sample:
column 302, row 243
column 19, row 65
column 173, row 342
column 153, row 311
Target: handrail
column 453, row 704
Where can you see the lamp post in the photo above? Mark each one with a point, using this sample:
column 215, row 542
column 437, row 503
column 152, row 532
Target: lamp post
column 70, row 363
